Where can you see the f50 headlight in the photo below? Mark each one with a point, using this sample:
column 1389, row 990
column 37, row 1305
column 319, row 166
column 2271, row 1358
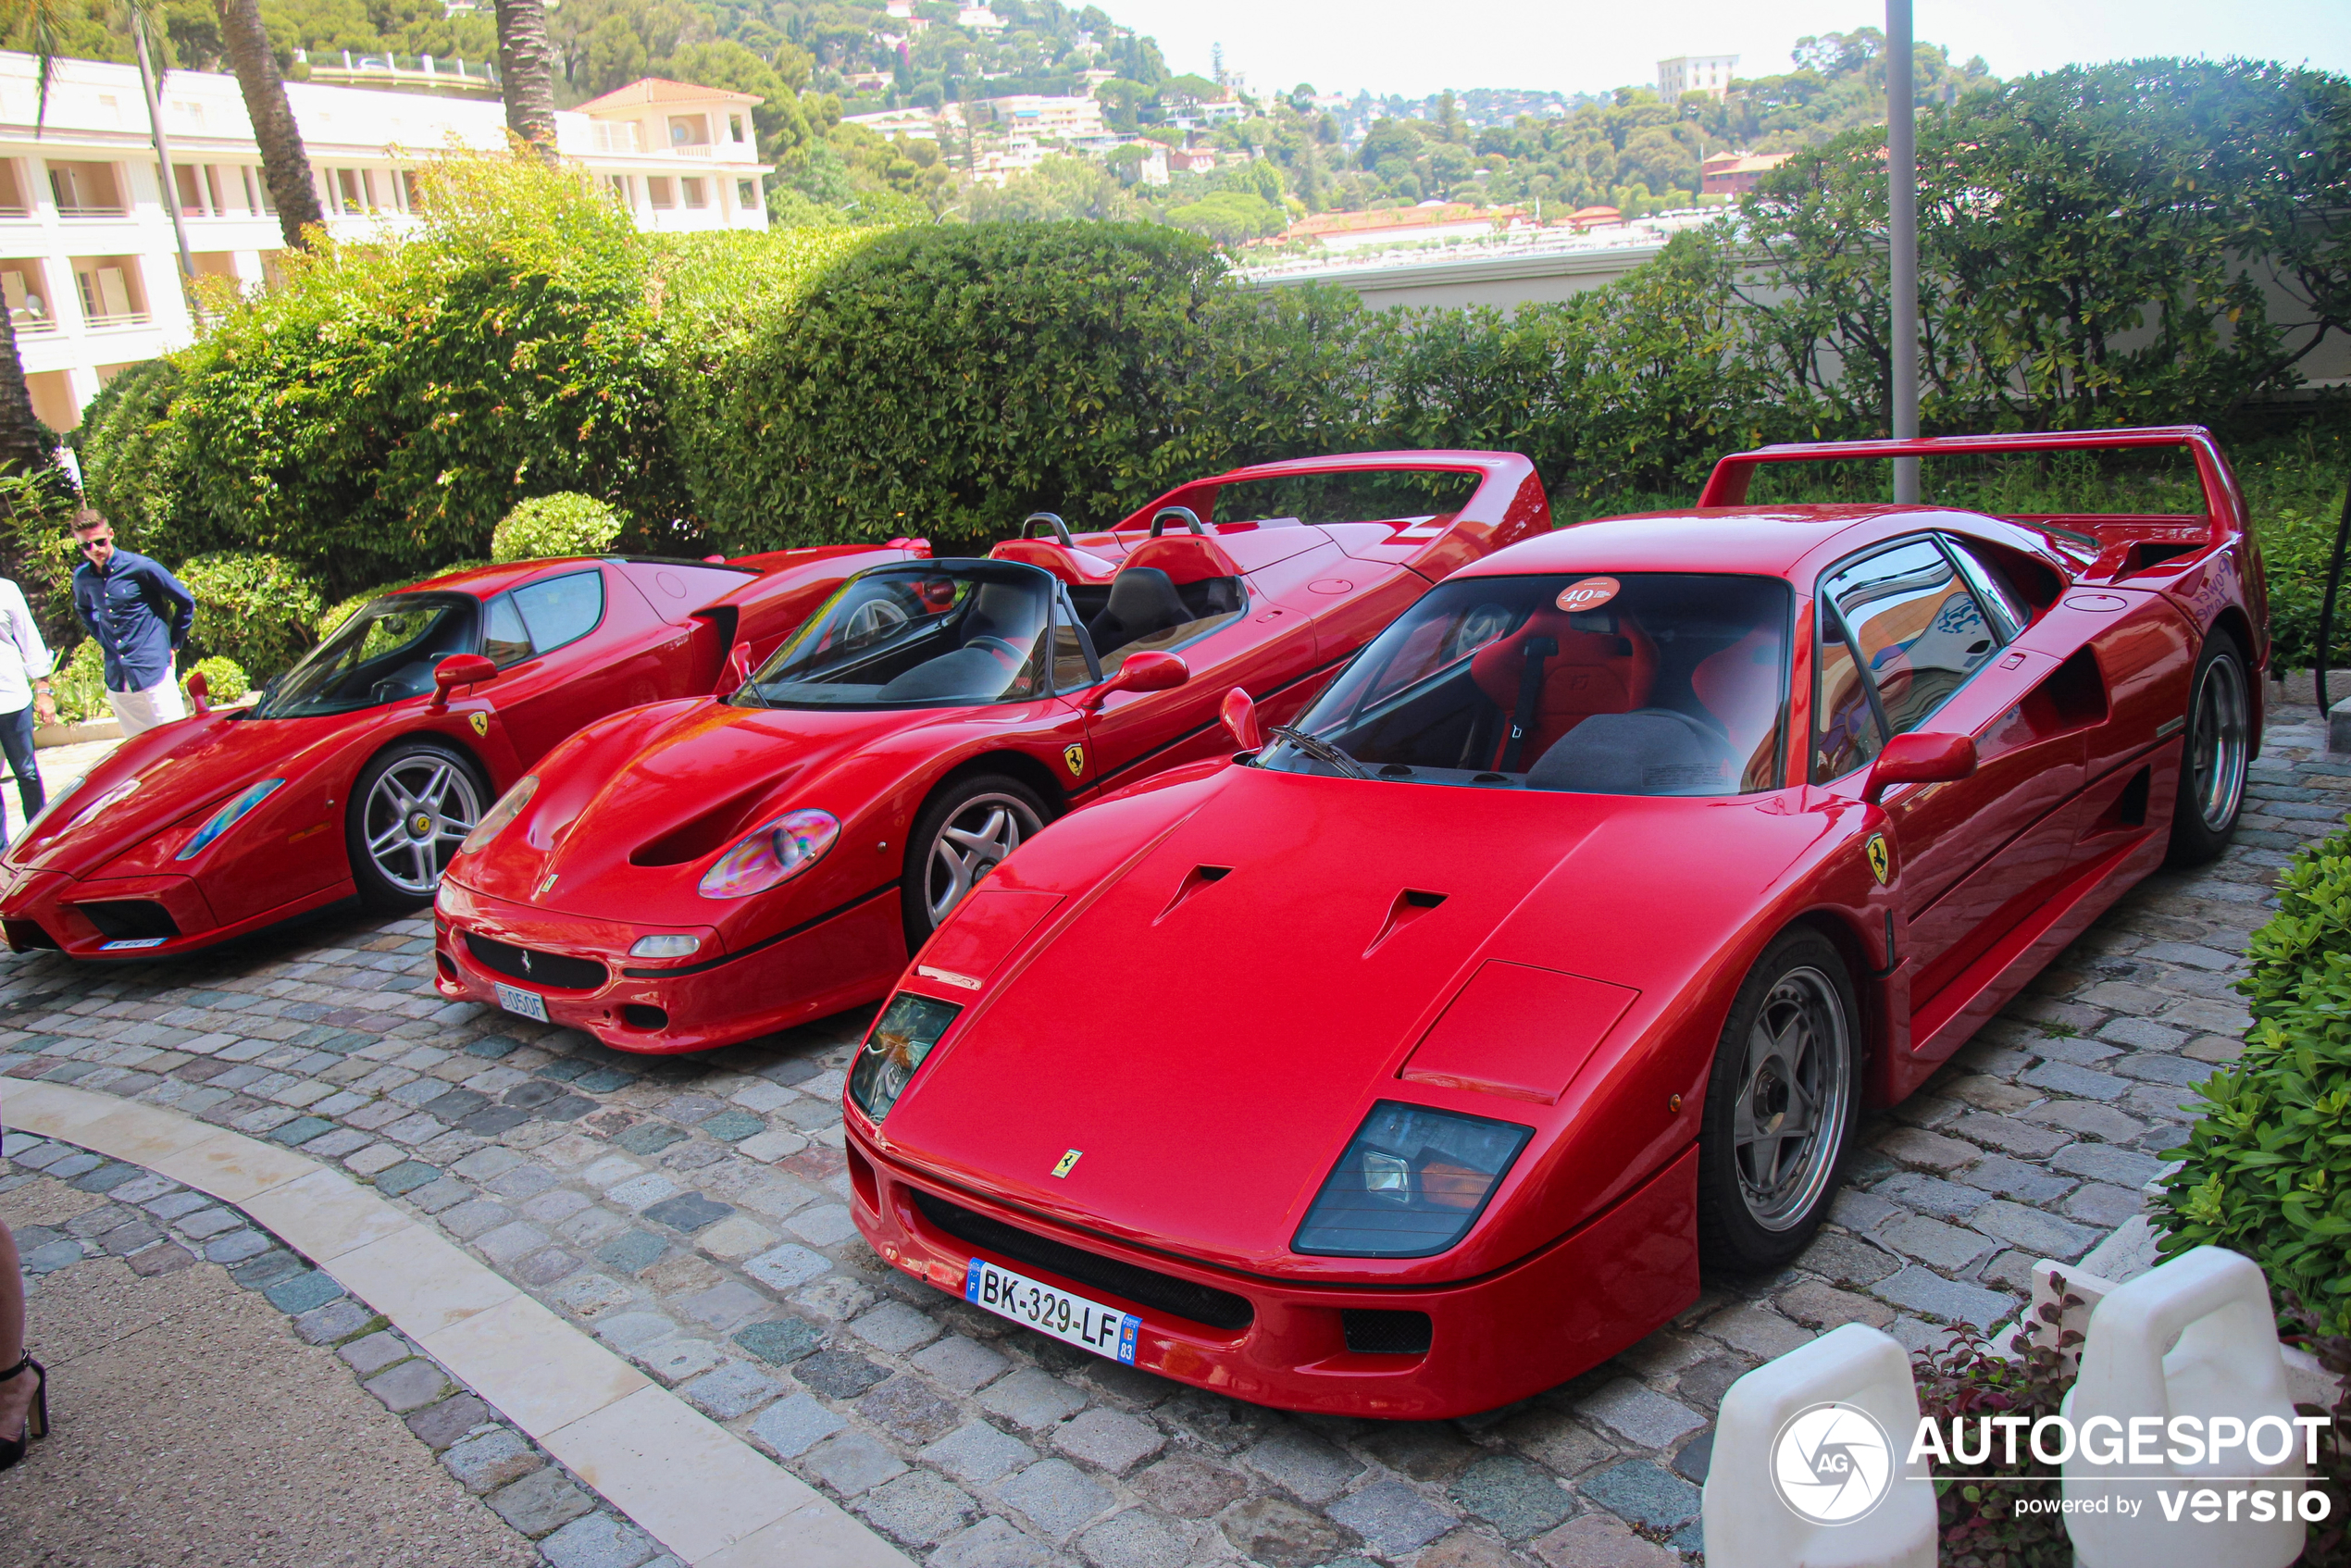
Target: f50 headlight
column 496, row 820
column 220, row 821
column 774, row 851
column 902, row 1038
column 1410, row 1183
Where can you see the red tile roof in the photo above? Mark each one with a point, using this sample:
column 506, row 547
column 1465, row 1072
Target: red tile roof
column 661, row 90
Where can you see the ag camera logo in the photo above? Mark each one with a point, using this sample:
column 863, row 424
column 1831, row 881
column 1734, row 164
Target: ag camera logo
column 1832, row 1463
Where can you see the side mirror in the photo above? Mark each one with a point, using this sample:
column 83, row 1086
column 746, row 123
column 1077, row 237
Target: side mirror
column 199, row 693
column 1920, row 759
column 1240, row 721
column 738, row 672
column 1143, row 672
column 459, row 669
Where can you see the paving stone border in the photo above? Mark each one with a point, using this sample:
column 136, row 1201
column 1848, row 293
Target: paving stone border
column 692, row 1215
column 157, row 1225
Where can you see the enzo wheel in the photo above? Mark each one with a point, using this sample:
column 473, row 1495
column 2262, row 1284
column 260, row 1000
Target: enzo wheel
column 2219, row 747
column 966, row 830
column 1779, row 1106
column 409, row 808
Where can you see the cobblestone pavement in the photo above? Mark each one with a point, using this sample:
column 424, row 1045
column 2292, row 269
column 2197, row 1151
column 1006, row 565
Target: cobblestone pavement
column 692, row 1215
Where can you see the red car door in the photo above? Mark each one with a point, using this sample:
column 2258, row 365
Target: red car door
column 1908, row 644
column 593, row 650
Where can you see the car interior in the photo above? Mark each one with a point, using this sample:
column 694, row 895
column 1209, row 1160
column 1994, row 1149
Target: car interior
column 923, row 634
column 386, row 651
column 1169, row 591
column 1669, row 684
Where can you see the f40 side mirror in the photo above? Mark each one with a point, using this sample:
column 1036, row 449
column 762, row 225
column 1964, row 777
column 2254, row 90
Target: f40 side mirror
column 1240, row 715
column 1143, row 672
column 459, row 669
column 737, row 674
column 1920, row 759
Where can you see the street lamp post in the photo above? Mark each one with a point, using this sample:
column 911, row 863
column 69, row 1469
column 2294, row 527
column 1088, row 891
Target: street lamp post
column 1902, row 236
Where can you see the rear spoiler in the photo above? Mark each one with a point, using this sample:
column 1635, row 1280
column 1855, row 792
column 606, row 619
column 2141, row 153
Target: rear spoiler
column 2224, row 509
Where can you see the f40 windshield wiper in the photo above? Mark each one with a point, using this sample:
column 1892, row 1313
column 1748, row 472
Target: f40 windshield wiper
column 1321, row 750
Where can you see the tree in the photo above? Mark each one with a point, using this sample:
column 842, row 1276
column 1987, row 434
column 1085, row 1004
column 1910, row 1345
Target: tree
column 285, row 163
column 526, row 72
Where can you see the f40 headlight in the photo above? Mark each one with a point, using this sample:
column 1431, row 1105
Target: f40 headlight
column 1410, row 1183
column 900, row 1038
column 774, row 851
column 220, row 821
column 496, row 820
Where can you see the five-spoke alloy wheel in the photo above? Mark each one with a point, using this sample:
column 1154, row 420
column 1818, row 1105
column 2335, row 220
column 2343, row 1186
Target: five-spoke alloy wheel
column 968, row 828
column 2219, row 749
column 1779, row 1105
column 409, row 809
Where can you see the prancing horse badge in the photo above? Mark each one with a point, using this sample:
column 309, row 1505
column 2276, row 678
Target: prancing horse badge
column 481, row 723
column 1880, row 859
column 1075, row 757
column 1067, row 1163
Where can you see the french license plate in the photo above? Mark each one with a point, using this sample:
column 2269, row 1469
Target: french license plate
column 530, row 1004
column 1087, row 1325
column 127, row 944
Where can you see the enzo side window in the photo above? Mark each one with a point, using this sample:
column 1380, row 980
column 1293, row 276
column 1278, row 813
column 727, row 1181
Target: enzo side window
column 1918, row 633
column 562, row 609
column 505, row 642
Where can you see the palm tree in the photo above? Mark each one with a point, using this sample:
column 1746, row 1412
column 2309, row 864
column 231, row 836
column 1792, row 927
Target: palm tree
column 526, row 72
column 284, row 162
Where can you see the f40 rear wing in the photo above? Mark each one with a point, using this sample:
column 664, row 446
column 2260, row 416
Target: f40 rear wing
column 2224, row 514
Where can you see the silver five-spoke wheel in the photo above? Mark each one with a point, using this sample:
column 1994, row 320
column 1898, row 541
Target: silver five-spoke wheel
column 414, row 816
column 969, row 844
column 1791, row 1099
column 2219, row 732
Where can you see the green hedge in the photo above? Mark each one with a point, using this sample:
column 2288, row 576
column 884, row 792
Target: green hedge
column 560, row 524
column 252, row 607
column 2267, row 1167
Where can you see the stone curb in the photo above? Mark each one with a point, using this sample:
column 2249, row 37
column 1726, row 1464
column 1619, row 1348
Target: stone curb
column 706, row 1495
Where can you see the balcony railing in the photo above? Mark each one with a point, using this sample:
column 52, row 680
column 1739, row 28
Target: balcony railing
column 90, row 211
column 29, row 325
column 8, row 212
column 120, row 318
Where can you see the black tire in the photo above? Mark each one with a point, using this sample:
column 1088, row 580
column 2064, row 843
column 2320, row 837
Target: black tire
column 409, row 808
column 2215, row 755
column 1757, row 1207
column 987, row 805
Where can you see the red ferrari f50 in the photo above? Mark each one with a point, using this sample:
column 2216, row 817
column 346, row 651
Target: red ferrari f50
column 1415, row 1061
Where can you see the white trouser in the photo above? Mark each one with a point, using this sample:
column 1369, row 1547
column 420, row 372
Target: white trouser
column 143, row 710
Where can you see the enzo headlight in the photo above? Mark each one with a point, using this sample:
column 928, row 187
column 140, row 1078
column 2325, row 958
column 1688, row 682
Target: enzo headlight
column 493, row 821
column 901, row 1037
column 774, row 853
column 1410, row 1183
column 220, row 821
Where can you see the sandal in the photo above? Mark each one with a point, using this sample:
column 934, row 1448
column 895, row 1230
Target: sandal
column 36, row 1417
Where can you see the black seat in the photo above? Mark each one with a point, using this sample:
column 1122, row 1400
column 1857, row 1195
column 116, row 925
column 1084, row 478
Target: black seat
column 966, row 672
column 1007, row 611
column 1646, row 751
column 1142, row 601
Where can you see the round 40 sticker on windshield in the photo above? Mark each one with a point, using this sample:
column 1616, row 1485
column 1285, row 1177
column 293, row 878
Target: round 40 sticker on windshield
column 1589, row 593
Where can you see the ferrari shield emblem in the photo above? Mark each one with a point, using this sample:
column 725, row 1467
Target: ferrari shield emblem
column 1880, row 859
column 1068, row 1161
column 1075, row 757
column 481, row 723
column 548, row 885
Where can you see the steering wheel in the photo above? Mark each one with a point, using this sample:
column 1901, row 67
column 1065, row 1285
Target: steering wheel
column 870, row 622
column 1061, row 530
column 1003, row 652
column 1189, row 518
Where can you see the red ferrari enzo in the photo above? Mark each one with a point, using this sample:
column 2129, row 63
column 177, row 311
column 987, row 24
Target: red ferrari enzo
column 362, row 768
column 697, row 873
column 1415, row 1062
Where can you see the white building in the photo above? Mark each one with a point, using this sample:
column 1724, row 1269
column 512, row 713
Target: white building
column 1695, row 73
column 1049, row 119
column 89, row 266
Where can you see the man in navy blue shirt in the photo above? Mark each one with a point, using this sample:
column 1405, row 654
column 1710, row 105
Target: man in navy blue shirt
column 140, row 614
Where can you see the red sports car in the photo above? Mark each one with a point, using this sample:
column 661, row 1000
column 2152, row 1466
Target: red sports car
column 697, row 873
column 1415, row 1064
column 362, row 768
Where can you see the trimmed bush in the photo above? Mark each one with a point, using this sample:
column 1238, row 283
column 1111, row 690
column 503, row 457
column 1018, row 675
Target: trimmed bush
column 560, row 524
column 78, row 684
column 254, row 608
column 225, row 679
column 2267, row 1167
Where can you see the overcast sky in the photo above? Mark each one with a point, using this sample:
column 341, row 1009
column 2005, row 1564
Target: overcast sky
column 1421, row 47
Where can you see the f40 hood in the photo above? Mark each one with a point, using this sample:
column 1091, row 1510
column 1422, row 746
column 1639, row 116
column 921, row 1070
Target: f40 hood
column 1210, row 1025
